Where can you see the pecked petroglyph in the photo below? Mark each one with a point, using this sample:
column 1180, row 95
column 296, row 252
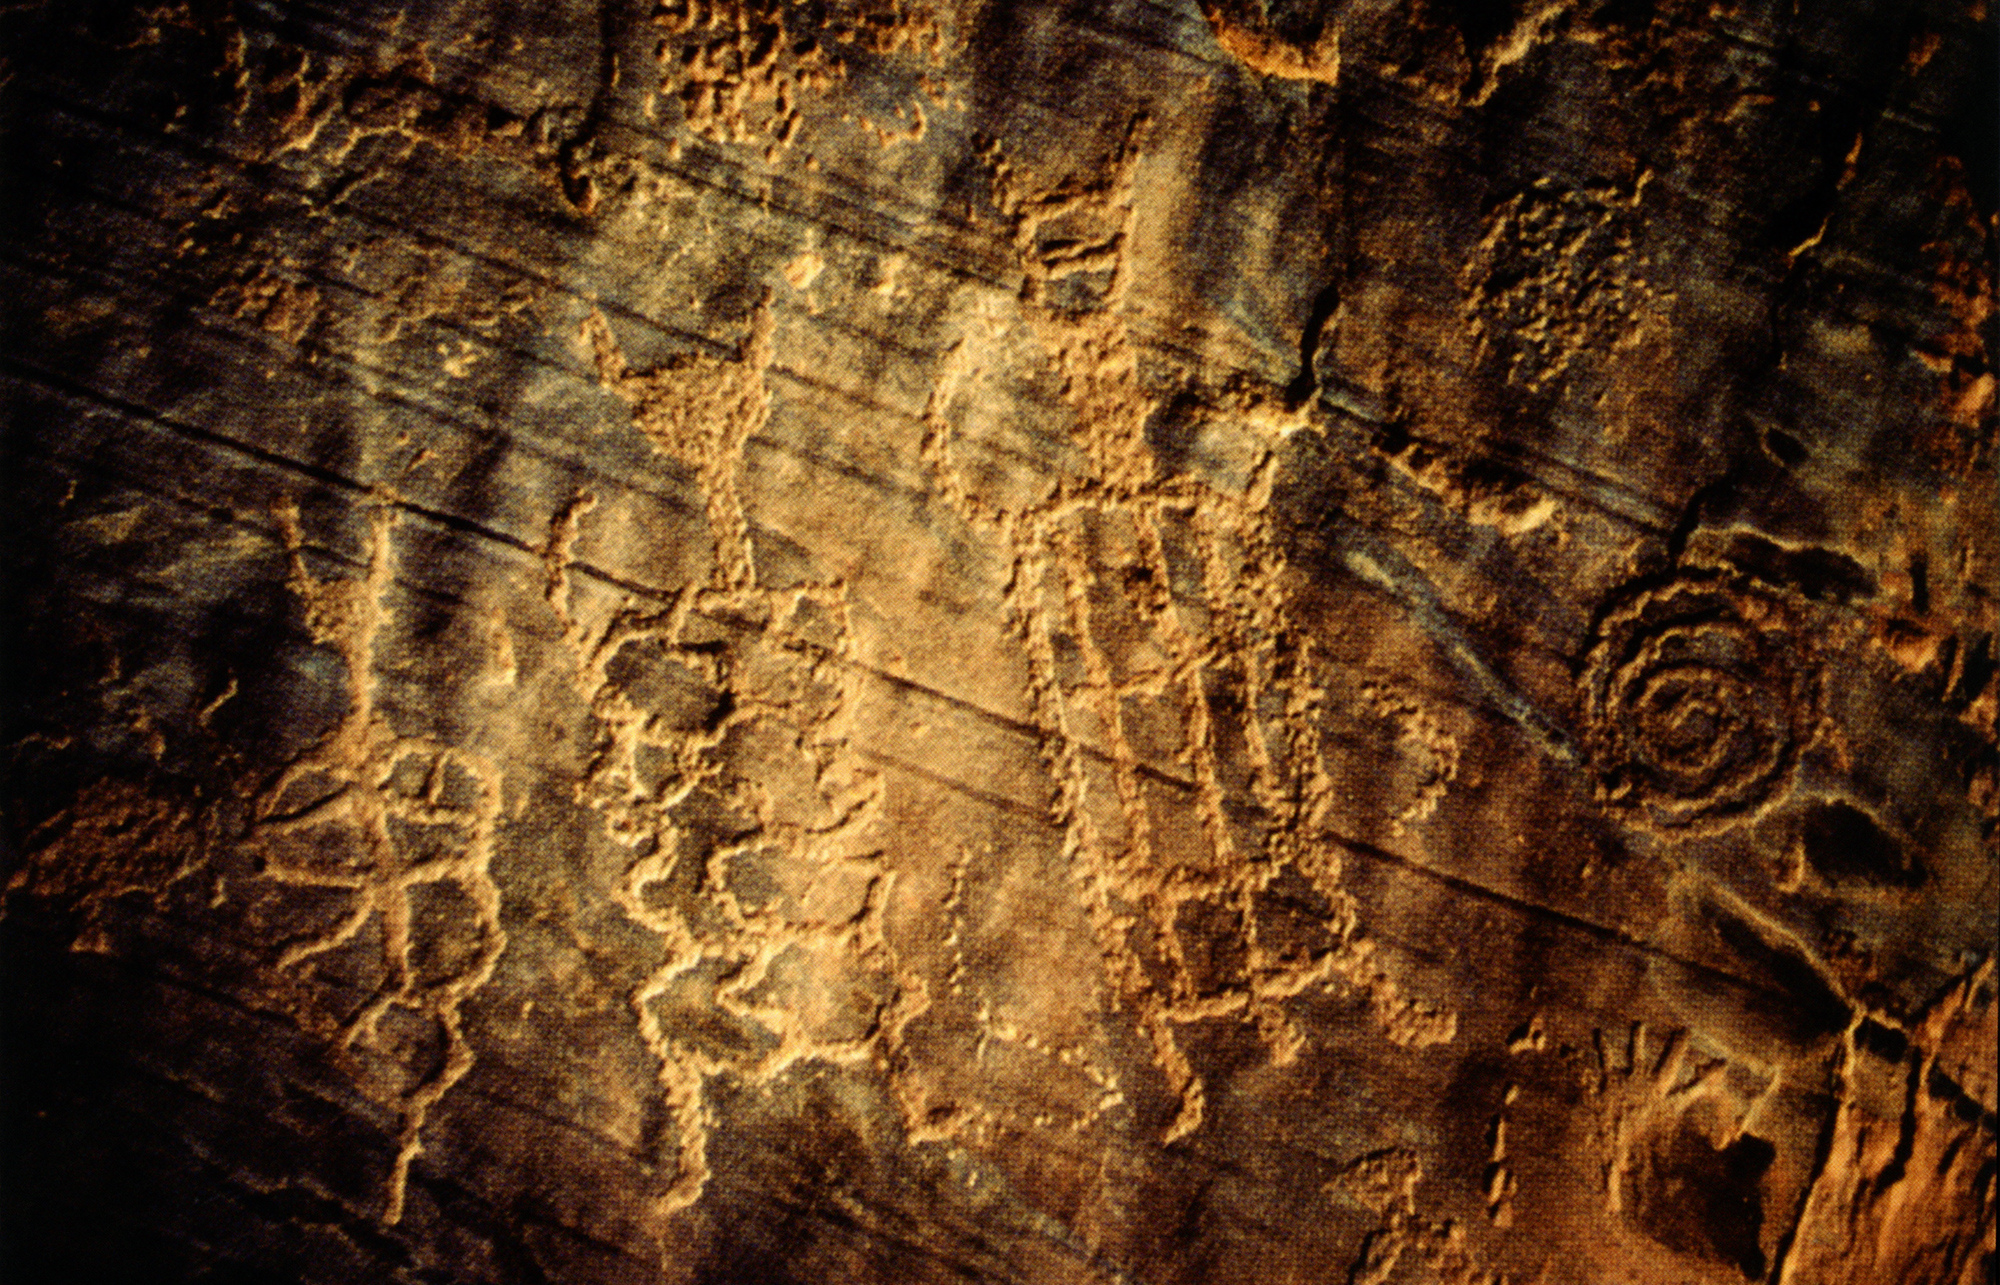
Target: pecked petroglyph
column 1702, row 694
column 114, row 840
column 1118, row 618
column 1556, row 276
column 1679, row 1163
column 400, row 829
column 723, row 765
column 736, row 71
column 1408, row 1243
column 700, row 410
column 917, row 642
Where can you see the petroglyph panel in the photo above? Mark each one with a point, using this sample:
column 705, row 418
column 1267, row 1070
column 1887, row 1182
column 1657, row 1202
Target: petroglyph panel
column 724, row 641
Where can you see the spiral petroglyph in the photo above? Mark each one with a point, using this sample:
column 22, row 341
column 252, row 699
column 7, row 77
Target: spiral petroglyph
column 1700, row 694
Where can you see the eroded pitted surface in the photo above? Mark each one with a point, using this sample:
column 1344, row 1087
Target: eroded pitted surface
column 1153, row 643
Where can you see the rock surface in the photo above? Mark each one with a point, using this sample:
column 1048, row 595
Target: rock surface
column 777, row 641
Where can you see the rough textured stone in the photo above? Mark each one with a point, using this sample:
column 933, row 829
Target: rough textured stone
column 746, row 641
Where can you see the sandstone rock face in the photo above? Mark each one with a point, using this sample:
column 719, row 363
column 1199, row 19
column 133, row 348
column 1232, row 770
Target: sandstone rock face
column 757, row 641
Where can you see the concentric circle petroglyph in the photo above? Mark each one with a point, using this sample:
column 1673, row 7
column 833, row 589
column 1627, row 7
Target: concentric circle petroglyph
column 1700, row 694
